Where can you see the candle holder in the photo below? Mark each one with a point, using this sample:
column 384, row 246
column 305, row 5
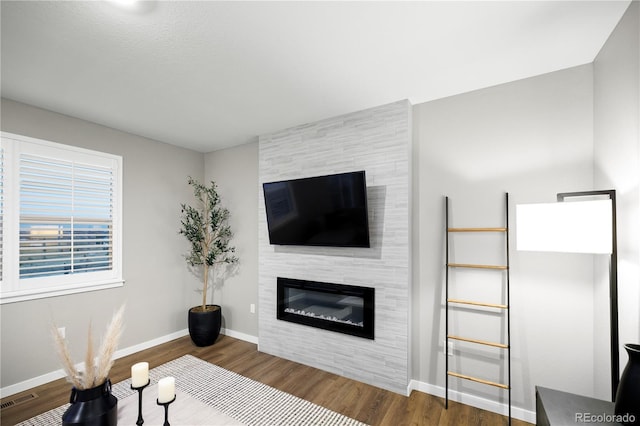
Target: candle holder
column 140, row 389
column 166, row 410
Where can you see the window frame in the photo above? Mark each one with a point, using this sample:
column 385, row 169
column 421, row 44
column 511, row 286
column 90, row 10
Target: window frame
column 12, row 287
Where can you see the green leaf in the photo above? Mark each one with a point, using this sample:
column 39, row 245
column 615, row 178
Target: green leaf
column 205, row 227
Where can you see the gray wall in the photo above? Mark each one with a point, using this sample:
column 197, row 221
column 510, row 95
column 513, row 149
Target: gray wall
column 377, row 140
column 235, row 171
column 532, row 138
column 617, row 166
column 156, row 278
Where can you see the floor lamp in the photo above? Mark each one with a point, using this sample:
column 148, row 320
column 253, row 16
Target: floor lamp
column 577, row 227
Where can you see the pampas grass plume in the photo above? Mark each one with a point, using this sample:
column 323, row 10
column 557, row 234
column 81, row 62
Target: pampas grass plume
column 65, row 357
column 94, row 373
column 109, row 346
column 89, row 367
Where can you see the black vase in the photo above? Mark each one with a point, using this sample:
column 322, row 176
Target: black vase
column 628, row 395
column 204, row 327
column 92, row 407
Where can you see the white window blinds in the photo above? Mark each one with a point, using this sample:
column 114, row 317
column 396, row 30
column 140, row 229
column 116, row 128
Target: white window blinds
column 60, row 208
column 65, row 217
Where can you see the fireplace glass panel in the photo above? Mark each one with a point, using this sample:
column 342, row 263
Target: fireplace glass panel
column 343, row 308
column 325, row 306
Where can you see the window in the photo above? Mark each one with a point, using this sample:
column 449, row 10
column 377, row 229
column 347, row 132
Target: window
column 60, row 217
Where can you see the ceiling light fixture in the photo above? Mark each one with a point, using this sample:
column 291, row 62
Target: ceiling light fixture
column 124, row 3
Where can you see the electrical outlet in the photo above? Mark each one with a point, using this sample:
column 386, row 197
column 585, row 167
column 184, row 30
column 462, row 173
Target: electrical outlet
column 62, row 331
column 252, row 308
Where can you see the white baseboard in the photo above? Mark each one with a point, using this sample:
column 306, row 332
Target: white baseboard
column 58, row 374
column 241, row 336
column 120, row 353
column 474, row 401
column 31, row 383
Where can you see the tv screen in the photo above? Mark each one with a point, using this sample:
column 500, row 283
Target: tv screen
column 318, row 211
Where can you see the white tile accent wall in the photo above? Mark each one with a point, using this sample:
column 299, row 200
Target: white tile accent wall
column 377, row 140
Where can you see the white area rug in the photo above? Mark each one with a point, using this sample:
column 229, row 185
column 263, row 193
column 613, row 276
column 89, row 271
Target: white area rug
column 245, row 400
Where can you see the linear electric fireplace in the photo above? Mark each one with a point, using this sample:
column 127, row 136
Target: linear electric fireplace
column 343, row 308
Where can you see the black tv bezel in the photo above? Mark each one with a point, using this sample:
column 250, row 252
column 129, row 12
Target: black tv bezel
column 367, row 244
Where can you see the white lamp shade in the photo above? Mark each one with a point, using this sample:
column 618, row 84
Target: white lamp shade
column 572, row 227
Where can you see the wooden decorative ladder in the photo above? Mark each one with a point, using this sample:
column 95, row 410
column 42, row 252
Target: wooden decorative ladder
column 505, row 308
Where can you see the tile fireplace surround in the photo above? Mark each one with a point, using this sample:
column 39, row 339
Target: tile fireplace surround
column 376, row 140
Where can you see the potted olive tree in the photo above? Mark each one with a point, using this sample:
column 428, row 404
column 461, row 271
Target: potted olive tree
column 206, row 228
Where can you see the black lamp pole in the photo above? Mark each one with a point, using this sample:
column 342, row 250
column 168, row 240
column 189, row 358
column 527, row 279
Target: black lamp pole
column 613, row 284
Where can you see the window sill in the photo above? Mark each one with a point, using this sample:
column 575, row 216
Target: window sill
column 26, row 295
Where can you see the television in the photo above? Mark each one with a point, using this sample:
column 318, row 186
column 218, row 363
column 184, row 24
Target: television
column 328, row 210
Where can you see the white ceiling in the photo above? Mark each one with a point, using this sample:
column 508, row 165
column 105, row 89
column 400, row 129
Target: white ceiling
column 207, row 75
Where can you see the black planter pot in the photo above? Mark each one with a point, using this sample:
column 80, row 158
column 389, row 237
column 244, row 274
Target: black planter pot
column 628, row 394
column 92, row 407
column 204, row 327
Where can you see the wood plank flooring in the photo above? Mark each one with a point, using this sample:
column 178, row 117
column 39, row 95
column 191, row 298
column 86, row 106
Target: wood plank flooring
column 363, row 402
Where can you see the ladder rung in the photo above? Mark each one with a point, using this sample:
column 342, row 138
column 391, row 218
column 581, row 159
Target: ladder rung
column 470, row 302
column 477, row 229
column 480, row 342
column 466, row 265
column 475, row 379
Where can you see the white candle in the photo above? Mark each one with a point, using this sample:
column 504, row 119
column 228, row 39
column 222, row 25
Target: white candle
column 139, row 374
column 166, row 389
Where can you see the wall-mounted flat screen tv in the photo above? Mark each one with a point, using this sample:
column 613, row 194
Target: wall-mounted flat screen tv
column 326, row 210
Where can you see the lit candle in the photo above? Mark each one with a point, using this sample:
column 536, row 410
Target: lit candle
column 139, row 374
column 166, row 389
